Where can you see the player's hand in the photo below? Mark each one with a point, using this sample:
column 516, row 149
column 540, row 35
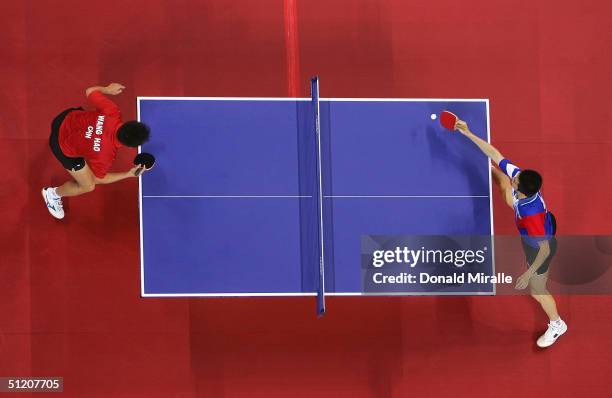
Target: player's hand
column 114, row 89
column 523, row 280
column 462, row 127
column 136, row 171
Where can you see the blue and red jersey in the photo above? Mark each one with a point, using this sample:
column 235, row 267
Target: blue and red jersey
column 532, row 219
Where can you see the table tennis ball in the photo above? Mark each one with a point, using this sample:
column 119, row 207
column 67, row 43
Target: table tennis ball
column 434, row 116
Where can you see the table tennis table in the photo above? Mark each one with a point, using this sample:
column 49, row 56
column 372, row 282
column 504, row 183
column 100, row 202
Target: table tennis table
column 235, row 206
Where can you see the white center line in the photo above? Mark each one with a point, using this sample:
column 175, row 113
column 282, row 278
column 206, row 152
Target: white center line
column 226, row 196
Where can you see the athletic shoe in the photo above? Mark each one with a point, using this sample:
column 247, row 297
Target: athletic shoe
column 54, row 205
column 552, row 334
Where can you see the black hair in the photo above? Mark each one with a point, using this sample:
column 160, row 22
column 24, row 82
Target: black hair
column 133, row 133
column 529, row 182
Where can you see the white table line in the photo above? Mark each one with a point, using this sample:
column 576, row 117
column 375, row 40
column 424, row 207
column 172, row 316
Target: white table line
column 325, row 196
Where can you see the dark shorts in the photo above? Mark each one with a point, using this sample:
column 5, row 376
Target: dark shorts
column 532, row 252
column 69, row 163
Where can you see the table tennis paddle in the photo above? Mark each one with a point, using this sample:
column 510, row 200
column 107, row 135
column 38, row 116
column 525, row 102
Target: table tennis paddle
column 448, row 120
column 144, row 159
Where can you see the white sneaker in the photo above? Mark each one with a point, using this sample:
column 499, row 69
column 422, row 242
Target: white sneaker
column 552, row 334
column 54, row 205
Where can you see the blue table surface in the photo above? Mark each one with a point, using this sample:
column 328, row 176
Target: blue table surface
column 231, row 205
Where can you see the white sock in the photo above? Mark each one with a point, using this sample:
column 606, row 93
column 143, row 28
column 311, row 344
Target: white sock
column 53, row 193
column 557, row 322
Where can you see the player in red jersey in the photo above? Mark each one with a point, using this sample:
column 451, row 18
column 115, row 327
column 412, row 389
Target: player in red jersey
column 537, row 226
column 86, row 143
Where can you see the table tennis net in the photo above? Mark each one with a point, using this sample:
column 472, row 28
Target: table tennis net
column 314, row 89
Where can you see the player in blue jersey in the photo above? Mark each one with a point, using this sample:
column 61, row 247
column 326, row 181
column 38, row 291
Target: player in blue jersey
column 537, row 226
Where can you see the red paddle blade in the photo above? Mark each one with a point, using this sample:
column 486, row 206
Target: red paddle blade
column 448, row 120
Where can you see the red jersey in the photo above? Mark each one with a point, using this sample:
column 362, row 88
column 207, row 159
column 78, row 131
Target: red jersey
column 92, row 135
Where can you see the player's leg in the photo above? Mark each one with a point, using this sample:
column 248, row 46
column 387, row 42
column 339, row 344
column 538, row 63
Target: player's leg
column 537, row 283
column 540, row 293
column 84, row 181
column 556, row 326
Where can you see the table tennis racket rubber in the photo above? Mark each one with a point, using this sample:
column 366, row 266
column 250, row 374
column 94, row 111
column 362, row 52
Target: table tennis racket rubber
column 448, row 120
column 144, row 159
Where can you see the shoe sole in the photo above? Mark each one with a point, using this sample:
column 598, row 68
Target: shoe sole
column 47, row 204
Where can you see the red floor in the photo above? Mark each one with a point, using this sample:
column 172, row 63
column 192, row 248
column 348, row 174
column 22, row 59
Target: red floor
column 70, row 290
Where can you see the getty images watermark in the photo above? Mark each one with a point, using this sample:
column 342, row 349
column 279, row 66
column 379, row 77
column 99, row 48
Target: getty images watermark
column 476, row 264
column 427, row 264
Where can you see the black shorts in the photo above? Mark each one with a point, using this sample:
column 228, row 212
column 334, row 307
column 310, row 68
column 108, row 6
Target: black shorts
column 532, row 252
column 69, row 163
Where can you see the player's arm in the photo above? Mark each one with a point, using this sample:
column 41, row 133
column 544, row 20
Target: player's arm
column 523, row 281
column 503, row 183
column 486, row 148
column 543, row 254
column 111, row 89
column 109, row 178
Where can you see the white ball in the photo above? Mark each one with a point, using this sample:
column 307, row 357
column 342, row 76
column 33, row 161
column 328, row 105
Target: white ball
column 434, row 116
